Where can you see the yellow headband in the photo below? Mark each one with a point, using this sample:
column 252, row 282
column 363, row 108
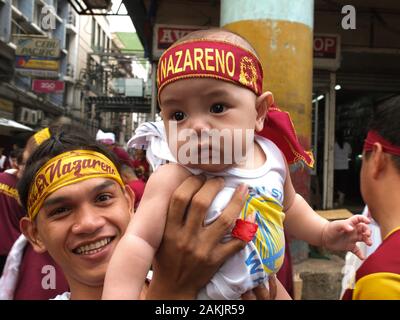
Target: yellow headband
column 41, row 136
column 65, row 169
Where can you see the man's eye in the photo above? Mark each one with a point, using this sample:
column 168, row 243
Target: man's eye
column 103, row 197
column 178, row 116
column 58, row 211
column 217, row 108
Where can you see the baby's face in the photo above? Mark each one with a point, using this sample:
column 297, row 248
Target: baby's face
column 209, row 123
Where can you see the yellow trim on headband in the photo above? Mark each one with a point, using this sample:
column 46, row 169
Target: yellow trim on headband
column 65, row 169
column 41, row 136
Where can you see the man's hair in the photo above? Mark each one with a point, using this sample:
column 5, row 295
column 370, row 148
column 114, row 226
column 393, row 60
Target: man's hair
column 60, row 124
column 62, row 141
column 386, row 121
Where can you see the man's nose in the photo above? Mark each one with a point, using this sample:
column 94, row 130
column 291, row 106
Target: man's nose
column 87, row 220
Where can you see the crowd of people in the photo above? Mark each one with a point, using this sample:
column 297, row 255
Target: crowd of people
column 82, row 219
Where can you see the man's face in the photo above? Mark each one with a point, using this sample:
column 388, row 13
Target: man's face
column 200, row 109
column 80, row 226
column 139, row 154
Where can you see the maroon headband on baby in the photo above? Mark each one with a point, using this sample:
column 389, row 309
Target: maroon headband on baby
column 210, row 59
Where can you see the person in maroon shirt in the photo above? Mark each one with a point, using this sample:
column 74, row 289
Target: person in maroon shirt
column 34, row 267
column 10, row 214
column 141, row 165
column 137, row 185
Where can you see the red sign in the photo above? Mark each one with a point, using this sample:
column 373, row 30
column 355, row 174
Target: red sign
column 325, row 47
column 168, row 35
column 47, row 86
column 165, row 35
column 326, row 51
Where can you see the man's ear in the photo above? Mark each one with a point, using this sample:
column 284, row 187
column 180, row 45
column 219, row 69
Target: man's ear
column 130, row 197
column 379, row 160
column 30, row 231
column 263, row 103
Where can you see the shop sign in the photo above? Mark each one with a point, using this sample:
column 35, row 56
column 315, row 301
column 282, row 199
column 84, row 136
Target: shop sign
column 47, row 86
column 165, row 35
column 27, row 62
column 37, row 46
column 326, row 51
column 38, row 73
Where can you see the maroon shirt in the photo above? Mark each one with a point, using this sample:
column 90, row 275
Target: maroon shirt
column 285, row 273
column 137, row 187
column 32, row 271
column 10, row 212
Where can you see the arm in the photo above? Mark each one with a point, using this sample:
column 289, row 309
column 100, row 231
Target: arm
column 301, row 221
column 191, row 253
column 134, row 253
column 304, row 223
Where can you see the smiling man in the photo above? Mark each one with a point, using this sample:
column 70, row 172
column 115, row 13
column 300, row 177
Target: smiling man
column 78, row 208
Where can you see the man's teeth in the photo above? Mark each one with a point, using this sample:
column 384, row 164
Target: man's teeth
column 93, row 247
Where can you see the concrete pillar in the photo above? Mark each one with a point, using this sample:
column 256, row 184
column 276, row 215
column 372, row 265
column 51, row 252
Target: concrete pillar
column 281, row 31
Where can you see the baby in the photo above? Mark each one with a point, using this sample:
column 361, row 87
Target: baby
column 211, row 99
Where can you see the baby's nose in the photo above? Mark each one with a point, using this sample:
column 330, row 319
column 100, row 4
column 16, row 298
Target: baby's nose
column 200, row 125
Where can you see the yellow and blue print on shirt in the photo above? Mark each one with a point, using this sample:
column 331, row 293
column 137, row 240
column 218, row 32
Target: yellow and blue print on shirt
column 269, row 239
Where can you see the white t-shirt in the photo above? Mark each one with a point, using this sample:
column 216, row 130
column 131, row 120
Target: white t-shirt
column 64, row 296
column 342, row 156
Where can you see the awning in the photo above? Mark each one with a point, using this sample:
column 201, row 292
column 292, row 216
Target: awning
column 9, row 127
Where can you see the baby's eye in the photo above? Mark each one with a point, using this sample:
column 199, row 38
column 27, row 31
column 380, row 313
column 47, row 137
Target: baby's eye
column 217, row 108
column 178, row 116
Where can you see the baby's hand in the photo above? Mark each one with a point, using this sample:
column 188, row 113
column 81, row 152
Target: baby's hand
column 343, row 235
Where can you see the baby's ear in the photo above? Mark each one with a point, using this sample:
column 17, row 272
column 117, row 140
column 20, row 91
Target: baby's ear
column 263, row 103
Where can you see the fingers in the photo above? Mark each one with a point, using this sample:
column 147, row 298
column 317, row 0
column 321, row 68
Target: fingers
column 272, row 286
column 258, row 293
column 348, row 225
column 249, row 295
column 356, row 219
column 201, row 202
column 262, row 293
column 181, row 199
column 227, row 219
column 364, row 233
column 357, row 251
column 225, row 250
